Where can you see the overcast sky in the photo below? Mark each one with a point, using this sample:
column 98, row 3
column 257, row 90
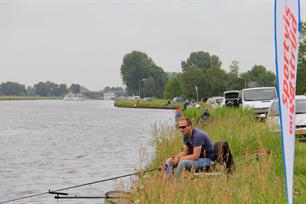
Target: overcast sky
column 79, row 41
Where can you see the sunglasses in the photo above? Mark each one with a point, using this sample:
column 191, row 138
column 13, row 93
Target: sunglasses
column 183, row 127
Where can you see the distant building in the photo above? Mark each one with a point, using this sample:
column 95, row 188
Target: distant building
column 99, row 95
column 84, row 90
column 114, row 95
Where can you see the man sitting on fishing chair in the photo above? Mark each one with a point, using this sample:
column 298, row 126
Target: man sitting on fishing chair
column 198, row 151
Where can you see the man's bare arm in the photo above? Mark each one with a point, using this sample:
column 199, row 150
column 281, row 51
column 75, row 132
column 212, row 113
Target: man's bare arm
column 184, row 152
column 176, row 158
column 196, row 154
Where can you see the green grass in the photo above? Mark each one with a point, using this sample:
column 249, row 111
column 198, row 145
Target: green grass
column 254, row 181
column 153, row 103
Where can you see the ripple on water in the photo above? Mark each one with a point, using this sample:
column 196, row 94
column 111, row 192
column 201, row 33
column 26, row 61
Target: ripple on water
column 54, row 144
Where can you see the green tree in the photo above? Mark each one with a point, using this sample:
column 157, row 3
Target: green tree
column 57, row 90
column 154, row 85
column 234, row 82
column 258, row 76
column 202, row 60
column 174, row 87
column 137, row 68
column 75, row 88
column 301, row 72
column 234, row 68
column 191, row 78
column 49, row 89
column 62, row 89
column 108, row 89
column 214, row 83
column 12, row 89
column 31, row 91
column 116, row 89
column 41, row 89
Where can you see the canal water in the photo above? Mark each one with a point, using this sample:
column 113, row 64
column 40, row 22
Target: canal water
column 53, row 144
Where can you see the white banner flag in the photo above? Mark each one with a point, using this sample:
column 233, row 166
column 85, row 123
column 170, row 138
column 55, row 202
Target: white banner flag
column 287, row 15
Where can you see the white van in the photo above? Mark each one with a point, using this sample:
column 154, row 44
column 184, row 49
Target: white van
column 259, row 99
column 300, row 117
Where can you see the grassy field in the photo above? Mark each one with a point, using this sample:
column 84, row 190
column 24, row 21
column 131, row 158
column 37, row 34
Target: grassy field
column 152, row 103
column 257, row 179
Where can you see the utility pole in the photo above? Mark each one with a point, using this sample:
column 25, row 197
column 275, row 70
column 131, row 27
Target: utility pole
column 196, row 87
column 139, row 86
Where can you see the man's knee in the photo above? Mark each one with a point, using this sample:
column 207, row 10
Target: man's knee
column 184, row 164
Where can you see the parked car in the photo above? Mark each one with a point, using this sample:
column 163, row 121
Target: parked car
column 216, row 101
column 231, row 98
column 147, row 98
column 259, row 99
column 300, row 117
column 178, row 99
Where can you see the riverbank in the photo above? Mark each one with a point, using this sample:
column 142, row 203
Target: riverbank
column 258, row 178
column 5, row 98
column 151, row 103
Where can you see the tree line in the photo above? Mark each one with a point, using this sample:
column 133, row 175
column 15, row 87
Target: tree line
column 201, row 71
column 47, row 89
column 40, row 89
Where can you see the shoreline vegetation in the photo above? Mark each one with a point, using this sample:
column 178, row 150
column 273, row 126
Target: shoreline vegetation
column 6, row 98
column 151, row 103
column 259, row 169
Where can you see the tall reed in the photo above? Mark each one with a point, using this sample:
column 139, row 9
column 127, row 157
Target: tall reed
column 257, row 179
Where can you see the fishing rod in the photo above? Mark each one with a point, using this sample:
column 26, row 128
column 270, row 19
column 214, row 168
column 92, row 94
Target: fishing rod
column 58, row 193
column 87, row 197
column 255, row 155
column 239, row 161
column 61, row 195
column 123, row 195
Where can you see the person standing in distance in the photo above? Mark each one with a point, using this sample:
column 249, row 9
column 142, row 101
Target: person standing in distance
column 198, row 150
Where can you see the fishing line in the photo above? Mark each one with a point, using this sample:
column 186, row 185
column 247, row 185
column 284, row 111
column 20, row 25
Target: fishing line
column 109, row 179
column 21, row 198
column 77, row 186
